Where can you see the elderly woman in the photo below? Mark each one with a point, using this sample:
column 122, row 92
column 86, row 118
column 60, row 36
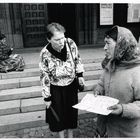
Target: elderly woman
column 59, row 65
column 9, row 61
column 120, row 80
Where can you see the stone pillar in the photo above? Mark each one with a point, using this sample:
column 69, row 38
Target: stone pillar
column 4, row 24
column 10, row 24
column 95, row 24
column 16, row 28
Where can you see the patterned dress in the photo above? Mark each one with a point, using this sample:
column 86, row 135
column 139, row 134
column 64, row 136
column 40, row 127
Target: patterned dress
column 9, row 61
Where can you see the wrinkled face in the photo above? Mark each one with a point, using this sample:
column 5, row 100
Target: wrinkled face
column 109, row 47
column 57, row 40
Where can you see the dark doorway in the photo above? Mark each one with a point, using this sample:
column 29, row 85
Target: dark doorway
column 64, row 14
column 34, row 20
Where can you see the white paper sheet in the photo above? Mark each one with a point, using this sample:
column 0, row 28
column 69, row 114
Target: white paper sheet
column 98, row 104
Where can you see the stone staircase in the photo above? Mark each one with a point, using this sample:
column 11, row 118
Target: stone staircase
column 21, row 103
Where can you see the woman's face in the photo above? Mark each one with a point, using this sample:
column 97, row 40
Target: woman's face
column 109, row 47
column 57, row 40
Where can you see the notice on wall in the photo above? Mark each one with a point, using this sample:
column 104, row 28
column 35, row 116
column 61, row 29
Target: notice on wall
column 106, row 14
column 133, row 13
column 98, row 105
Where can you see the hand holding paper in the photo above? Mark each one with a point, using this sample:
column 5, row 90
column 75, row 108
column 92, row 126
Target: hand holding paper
column 97, row 104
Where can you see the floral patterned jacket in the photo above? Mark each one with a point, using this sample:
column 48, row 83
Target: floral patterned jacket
column 5, row 51
column 57, row 72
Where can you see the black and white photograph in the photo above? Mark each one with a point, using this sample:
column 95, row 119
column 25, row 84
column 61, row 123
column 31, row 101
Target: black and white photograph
column 69, row 69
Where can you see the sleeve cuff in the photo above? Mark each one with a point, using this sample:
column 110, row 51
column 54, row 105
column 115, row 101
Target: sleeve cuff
column 80, row 74
column 47, row 99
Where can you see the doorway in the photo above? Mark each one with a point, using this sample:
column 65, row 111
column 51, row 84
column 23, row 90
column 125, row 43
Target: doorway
column 34, row 20
column 65, row 14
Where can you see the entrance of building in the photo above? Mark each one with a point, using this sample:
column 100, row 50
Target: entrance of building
column 34, row 20
column 35, row 17
column 64, row 14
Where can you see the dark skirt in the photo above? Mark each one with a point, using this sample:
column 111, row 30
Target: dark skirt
column 61, row 115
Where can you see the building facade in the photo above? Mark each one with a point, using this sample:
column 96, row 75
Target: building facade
column 24, row 23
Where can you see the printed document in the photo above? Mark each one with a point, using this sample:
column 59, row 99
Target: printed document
column 98, row 104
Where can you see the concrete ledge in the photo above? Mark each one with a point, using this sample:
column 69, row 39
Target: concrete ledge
column 32, row 104
column 9, row 84
column 36, row 104
column 33, row 72
column 92, row 66
column 33, row 91
column 22, row 120
column 9, row 107
column 26, row 73
column 35, row 81
column 29, row 81
column 95, row 60
column 26, row 120
column 92, row 75
column 84, row 61
column 20, row 93
column 27, row 105
column 31, row 65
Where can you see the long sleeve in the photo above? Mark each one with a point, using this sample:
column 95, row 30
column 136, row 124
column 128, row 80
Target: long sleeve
column 132, row 110
column 79, row 65
column 100, row 85
column 78, row 62
column 44, row 75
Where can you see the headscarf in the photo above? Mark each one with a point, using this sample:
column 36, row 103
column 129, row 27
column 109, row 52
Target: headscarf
column 127, row 51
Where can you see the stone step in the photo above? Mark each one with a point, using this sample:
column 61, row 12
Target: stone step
column 10, row 107
column 19, row 82
column 26, row 73
column 84, row 61
column 20, row 93
column 92, row 66
column 36, row 104
column 35, row 81
column 31, row 103
column 32, row 92
column 35, row 71
column 95, row 60
column 92, row 75
column 25, row 105
column 19, row 121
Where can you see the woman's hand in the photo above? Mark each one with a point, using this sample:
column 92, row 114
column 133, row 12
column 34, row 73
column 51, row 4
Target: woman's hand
column 47, row 103
column 81, row 80
column 117, row 109
column 81, row 84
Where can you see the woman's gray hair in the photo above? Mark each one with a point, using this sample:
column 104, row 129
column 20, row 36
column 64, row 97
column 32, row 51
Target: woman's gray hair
column 54, row 27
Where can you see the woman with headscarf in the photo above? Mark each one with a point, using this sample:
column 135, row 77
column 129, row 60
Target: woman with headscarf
column 8, row 61
column 120, row 80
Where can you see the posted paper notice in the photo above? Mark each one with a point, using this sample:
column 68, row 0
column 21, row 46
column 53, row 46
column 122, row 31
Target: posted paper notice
column 98, row 104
